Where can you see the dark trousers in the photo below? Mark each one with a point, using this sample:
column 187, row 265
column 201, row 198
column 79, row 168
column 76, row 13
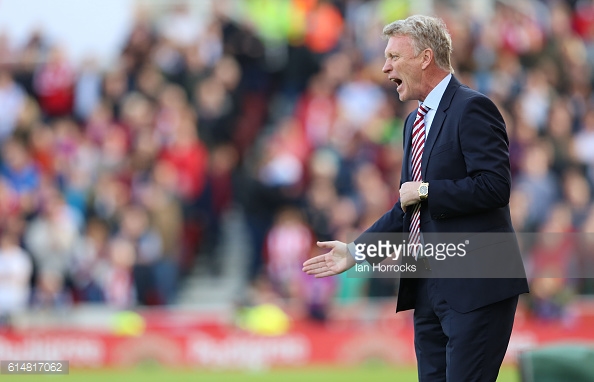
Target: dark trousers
column 453, row 346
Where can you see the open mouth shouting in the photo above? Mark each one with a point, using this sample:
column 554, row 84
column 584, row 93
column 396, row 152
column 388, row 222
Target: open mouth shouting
column 397, row 81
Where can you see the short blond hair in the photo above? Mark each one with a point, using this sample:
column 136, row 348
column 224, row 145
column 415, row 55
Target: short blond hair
column 425, row 32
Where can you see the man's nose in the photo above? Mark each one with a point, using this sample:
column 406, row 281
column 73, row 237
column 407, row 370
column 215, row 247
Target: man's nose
column 387, row 67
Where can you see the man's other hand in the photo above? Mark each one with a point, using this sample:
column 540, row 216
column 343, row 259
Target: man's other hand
column 409, row 194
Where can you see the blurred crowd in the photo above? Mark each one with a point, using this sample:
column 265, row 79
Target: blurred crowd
column 114, row 181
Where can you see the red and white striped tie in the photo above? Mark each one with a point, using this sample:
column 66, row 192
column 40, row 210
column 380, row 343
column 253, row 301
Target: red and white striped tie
column 418, row 144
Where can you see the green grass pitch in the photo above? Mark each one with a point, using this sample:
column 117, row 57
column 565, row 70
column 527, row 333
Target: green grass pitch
column 308, row 374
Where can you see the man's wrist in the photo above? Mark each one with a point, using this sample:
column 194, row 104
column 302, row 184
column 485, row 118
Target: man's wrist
column 352, row 249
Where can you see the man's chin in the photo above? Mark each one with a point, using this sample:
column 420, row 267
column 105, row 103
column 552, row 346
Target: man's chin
column 401, row 90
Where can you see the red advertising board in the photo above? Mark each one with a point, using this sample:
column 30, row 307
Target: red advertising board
column 217, row 345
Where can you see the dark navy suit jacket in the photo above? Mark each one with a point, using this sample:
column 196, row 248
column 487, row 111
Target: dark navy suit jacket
column 466, row 162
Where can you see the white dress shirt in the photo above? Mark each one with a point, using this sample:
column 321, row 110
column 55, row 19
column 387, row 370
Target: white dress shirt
column 432, row 101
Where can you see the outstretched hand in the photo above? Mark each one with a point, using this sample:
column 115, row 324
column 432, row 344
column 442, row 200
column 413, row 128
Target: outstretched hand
column 331, row 263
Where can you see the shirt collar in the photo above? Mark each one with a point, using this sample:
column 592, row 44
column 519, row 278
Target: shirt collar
column 434, row 97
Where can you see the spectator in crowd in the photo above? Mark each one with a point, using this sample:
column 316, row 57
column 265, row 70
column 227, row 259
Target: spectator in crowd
column 585, row 258
column 136, row 228
column 583, row 142
column 12, row 101
column 88, row 255
column 51, row 238
column 115, row 274
column 536, row 177
column 16, row 269
column 87, row 90
column 553, row 264
column 19, row 170
column 53, row 84
column 282, row 268
column 577, row 193
column 50, row 292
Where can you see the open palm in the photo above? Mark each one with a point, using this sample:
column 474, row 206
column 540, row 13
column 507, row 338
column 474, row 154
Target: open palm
column 331, row 263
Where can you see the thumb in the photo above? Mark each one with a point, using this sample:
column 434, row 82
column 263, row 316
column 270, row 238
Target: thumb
column 326, row 244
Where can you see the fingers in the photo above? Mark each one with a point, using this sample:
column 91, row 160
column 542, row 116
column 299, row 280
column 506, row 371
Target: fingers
column 405, row 202
column 325, row 274
column 409, row 194
column 314, row 267
column 326, row 244
column 315, row 260
column 320, row 271
column 318, row 267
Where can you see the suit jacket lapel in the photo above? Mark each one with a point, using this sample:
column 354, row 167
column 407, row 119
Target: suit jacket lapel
column 406, row 175
column 437, row 122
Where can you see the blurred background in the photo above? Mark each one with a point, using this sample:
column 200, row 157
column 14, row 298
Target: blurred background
column 167, row 166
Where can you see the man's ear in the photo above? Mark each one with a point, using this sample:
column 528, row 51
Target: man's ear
column 427, row 56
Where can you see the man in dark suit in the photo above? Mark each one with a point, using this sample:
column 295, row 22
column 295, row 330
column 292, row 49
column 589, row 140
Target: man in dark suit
column 455, row 178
